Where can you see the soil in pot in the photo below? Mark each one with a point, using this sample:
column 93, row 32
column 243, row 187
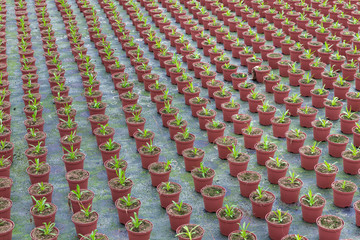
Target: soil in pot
column 228, row 222
column 168, row 192
column 202, row 177
column 290, row 188
column 262, row 202
column 249, row 181
column 343, row 192
column 213, row 197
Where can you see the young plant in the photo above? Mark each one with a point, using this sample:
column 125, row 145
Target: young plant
column 188, row 233
column 279, row 216
column 311, row 198
column 78, row 193
column 47, row 229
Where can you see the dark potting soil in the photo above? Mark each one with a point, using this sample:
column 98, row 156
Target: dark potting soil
column 5, row 182
column 213, row 191
column 116, row 146
column 98, row 117
column 241, row 158
column 76, row 139
column 144, row 227
column 211, row 113
column 63, row 99
column 242, row 117
column 221, row 95
column 100, row 236
column 81, row 217
column 290, row 100
column 7, row 146
column 286, row 120
column 292, row 134
column 249, row 177
column 5, row 131
column 101, row 105
column 270, row 147
column 272, row 164
column 272, row 218
column 159, row 167
column 350, row 155
column 86, row 195
column 38, row 234
column 171, row 111
column 196, row 89
column 338, row 138
column 307, row 151
column 140, row 135
column 190, row 153
column 30, row 122
column 35, row 189
column 237, row 236
column 132, row 108
column 236, row 215
column 322, row 168
column 143, row 150
column 111, row 164
column 349, row 186
column 172, row 189
column 47, row 211
column 266, row 197
column 173, row 210
column 78, row 157
column 284, row 89
column 32, row 151
column 5, row 226
column 220, row 126
column 269, row 109
column 95, row 93
column 122, row 204
column 231, row 105
column 38, row 135
column 330, row 222
column 78, row 174
column 318, row 124
column 308, row 110
column 352, row 117
column 199, row 174
column 4, row 203
column 108, row 130
column 254, row 131
column 287, row 183
column 225, row 141
column 199, row 100
column 114, row 183
column 353, row 95
column 294, row 238
column 305, row 81
column 44, row 168
column 180, row 137
column 319, row 201
column 174, row 123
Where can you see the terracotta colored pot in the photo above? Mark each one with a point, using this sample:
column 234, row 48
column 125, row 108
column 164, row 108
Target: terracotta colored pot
column 40, row 219
column 335, row 149
column 357, row 212
column 147, row 159
column 166, row 199
column 308, row 162
column 247, row 187
column 274, row 174
column 279, row 129
column 84, row 228
column 142, row 235
column 320, row 133
column 342, row 199
column 199, row 183
column 213, row 203
column 324, row 180
column 228, row 225
column 201, row 230
column 251, row 139
column 177, row 220
column 126, row 214
column 76, row 204
column 214, row 133
column 7, row 235
column 289, row 195
column 276, row 230
column 310, row 214
column 326, row 233
column 235, row 166
column 260, row 209
column 263, row 155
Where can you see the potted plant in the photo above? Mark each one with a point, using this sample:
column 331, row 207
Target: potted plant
column 333, row 108
column 202, row 176
column 42, row 211
column 179, row 213
column 205, row 115
column 80, row 197
column 190, row 231
column 336, row 60
column 245, row 89
column 168, row 113
column 242, row 233
column 270, row 81
column 264, row 151
column 343, row 192
column 306, row 59
column 329, row 226
column 353, row 99
column 278, row 223
column 321, row 129
column 38, row 171
column 225, row 145
column 341, row 87
column 290, row 188
column 325, row 174
column 316, row 68
column 249, row 181
column 276, row 169
column 159, row 172
column 309, row 156
column 251, row 136
column 8, row 225
column 229, row 109
column 34, row 152
column 47, row 231
column 295, row 74
column 312, row 206
column 307, row 83
column 127, row 207
column 348, row 120
column 261, row 202
column 120, row 186
column 103, row 133
column 281, row 91
column 213, row 197
column 221, row 96
column 237, row 161
column 296, row 51
column 318, row 95
column 281, row 124
column 229, row 218
column 214, row 130
column 168, row 192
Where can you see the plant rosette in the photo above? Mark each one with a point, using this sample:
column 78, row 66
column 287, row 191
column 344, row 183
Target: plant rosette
column 329, row 227
column 85, row 223
column 312, row 206
column 276, row 169
column 213, row 197
column 7, row 229
column 97, row 236
column 278, row 223
column 79, row 198
column 126, row 207
column 318, row 96
column 109, row 150
column 229, row 218
column 159, row 172
column 168, row 192
column 249, row 181
column 43, row 215
column 336, row 144
column 343, row 193
column 38, row 172
column 214, row 130
column 195, row 231
column 179, row 214
column 290, row 189
column 251, row 136
column 280, row 126
column 309, row 156
column 39, row 234
column 40, row 190
column 261, row 202
column 238, row 235
column 225, row 145
column 294, row 237
column 321, row 129
column 202, row 176
column 264, row 151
